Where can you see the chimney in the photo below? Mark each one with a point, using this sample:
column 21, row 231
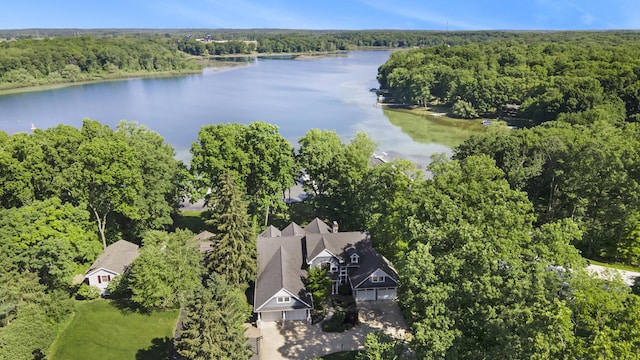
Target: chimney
column 335, row 226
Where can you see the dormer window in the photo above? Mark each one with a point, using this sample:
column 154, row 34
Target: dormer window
column 377, row 279
column 283, row 299
column 355, row 258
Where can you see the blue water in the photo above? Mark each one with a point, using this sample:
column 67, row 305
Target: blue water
column 326, row 93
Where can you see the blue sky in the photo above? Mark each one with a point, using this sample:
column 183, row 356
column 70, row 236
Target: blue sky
column 327, row 14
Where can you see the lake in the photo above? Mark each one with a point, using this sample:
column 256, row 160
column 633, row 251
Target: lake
column 296, row 95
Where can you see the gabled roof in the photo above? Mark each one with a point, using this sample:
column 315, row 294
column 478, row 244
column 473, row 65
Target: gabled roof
column 292, row 230
column 317, row 226
column 271, row 231
column 370, row 261
column 117, row 257
column 335, row 243
column 280, row 267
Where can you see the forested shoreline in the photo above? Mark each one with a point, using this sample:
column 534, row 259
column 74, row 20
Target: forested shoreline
column 32, row 57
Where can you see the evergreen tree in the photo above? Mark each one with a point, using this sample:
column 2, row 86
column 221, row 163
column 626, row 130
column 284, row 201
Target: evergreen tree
column 212, row 325
column 235, row 253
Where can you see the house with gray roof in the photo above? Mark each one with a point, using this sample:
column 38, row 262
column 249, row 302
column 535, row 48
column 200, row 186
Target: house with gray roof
column 115, row 261
column 285, row 256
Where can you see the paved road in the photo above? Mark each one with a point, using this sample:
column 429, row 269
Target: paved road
column 627, row 276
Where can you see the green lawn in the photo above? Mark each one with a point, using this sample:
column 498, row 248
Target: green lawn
column 99, row 330
column 191, row 220
column 425, row 128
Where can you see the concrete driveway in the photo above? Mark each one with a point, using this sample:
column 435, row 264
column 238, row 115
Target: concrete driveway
column 629, row 277
column 301, row 340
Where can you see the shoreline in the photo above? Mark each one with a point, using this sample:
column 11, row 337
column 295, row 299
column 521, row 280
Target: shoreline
column 205, row 62
column 123, row 77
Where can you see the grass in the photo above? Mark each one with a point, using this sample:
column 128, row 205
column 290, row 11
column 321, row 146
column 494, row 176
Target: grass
column 101, row 331
column 615, row 265
column 344, row 355
column 423, row 127
column 193, row 220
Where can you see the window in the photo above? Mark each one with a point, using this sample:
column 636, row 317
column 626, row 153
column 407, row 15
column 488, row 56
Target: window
column 333, row 268
column 103, row 278
column 377, row 279
column 354, row 258
column 283, row 299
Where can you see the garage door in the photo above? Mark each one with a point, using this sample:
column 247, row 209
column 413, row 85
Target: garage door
column 300, row 314
column 366, row 295
column 386, row 294
column 271, row 316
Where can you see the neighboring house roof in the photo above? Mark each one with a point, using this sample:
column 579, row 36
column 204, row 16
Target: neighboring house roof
column 205, row 241
column 116, row 257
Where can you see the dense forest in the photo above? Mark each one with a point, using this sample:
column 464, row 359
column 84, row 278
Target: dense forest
column 60, row 60
column 489, row 245
column 576, row 77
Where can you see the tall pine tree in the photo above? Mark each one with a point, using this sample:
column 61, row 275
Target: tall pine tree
column 212, row 327
column 234, row 256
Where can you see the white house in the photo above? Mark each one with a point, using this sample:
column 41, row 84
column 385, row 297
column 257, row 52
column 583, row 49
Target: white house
column 115, row 261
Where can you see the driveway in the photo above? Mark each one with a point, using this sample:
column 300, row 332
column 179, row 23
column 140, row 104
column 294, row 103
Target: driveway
column 301, row 340
column 628, row 277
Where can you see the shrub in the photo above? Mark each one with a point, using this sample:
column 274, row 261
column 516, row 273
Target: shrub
column 464, row 109
column 86, row 292
column 335, row 323
column 344, row 289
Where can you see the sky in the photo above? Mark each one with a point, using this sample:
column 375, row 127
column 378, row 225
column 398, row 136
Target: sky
column 325, row 14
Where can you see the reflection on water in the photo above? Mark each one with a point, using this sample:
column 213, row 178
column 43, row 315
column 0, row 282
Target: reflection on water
column 324, row 92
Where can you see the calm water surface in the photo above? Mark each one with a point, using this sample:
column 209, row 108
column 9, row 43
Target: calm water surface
column 326, row 93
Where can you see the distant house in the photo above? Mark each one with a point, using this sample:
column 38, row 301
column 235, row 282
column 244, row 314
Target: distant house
column 205, row 241
column 284, row 256
column 115, row 261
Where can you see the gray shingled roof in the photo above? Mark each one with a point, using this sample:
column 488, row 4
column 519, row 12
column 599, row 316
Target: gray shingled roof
column 336, row 243
column 281, row 259
column 293, row 230
column 117, row 257
column 280, row 267
column 317, row 226
column 370, row 261
column 271, row 231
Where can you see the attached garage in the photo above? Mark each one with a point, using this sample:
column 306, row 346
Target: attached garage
column 365, row 295
column 299, row 314
column 375, row 294
column 271, row 316
column 387, row 294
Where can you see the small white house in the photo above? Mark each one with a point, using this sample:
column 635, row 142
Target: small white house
column 115, row 261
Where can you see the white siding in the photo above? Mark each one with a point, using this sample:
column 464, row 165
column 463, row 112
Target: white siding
column 95, row 279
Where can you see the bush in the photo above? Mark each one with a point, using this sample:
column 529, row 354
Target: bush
column 340, row 321
column 344, row 289
column 86, row 292
column 464, row 109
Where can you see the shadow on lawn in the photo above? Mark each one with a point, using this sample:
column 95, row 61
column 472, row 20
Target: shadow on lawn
column 159, row 349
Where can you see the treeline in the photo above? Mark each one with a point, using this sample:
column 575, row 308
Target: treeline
column 70, row 59
column 549, row 76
